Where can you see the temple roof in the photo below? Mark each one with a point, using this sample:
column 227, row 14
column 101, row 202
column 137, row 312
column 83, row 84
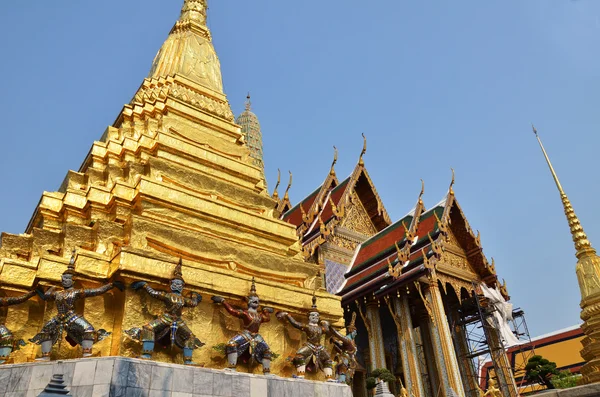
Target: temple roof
column 252, row 134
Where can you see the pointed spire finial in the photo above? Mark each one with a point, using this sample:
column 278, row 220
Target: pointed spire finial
column 248, row 102
column 194, row 11
column 582, row 244
column 364, row 150
column 450, row 189
column 422, row 191
column 253, row 288
column 335, row 158
column 286, row 195
column 275, row 192
column 71, row 265
column 177, row 273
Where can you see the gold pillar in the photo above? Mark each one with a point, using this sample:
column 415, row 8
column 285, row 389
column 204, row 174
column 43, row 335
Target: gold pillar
column 442, row 343
column 408, row 348
column 376, row 350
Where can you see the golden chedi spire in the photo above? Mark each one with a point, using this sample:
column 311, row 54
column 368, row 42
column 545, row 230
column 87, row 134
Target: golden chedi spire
column 188, row 50
column 588, row 276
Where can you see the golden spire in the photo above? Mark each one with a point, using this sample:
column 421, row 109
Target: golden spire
column 582, row 244
column 286, row 196
column 588, row 276
column 188, row 51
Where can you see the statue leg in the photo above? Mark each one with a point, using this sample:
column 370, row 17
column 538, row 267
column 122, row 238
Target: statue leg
column 147, row 337
column 232, row 354
column 46, row 338
column 185, row 334
column 263, row 355
column 6, row 343
column 302, row 357
column 327, row 365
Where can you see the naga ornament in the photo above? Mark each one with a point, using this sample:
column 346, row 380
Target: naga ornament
column 312, row 353
column 249, row 340
column 7, row 340
column 168, row 328
column 345, row 348
column 79, row 330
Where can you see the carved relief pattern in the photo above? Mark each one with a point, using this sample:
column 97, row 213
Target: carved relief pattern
column 456, row 283
column 153, row 90
column 344, row 243
column 357, row 218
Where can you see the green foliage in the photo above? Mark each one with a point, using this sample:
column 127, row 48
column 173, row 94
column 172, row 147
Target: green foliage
column 540, row 370
column 564, row 380
column 381, row 374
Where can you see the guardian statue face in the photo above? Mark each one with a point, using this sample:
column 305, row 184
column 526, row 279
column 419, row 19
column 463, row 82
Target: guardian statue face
column 253, row 302
column 177, row 285
column 67, row 280
column 313, row 318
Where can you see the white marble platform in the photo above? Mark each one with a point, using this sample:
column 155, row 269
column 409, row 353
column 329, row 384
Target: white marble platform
column 120, row 377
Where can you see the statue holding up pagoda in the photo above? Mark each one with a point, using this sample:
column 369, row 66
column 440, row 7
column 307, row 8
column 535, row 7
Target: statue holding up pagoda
column 345, row 347
column 312, row 351
column 249, row 340
column 79, row 330
column 169, row 323
column 7, row 340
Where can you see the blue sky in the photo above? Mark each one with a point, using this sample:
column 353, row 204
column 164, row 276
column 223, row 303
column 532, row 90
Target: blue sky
column 433, row 85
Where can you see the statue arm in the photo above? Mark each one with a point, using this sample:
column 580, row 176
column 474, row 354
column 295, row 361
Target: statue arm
column 96, row 291
column 295, row 323
column 15, row 300
column 48, row 295
column 160, row 295
column 336, row 334
column 266, row 314
column 231, row 310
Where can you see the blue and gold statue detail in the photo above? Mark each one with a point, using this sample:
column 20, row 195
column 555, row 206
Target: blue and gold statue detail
column 169, row 324
column 249, row 340
column 345, row 348
column 79, row 330
column 7, row 340
column 313, row 352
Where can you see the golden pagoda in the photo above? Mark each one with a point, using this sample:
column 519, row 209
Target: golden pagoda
column 172, row 178
column 588, row 276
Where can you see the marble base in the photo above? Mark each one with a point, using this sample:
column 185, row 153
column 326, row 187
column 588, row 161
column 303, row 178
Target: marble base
column 120, row 377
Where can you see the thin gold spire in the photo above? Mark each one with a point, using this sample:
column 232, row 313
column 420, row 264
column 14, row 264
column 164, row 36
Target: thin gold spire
column 335, row 158
column 582, row 244
column 361, row 162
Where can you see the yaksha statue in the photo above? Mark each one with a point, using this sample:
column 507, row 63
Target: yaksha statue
column 249, row 340
column 312, row 349
column 345, row 348
column 169, row 324
column 79, row 330
column 7, row 341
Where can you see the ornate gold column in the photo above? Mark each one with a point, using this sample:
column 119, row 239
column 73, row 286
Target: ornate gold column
column 408, row 348
column 373, row 325
column 433, row 385
column 588, row 276
column 442, row 343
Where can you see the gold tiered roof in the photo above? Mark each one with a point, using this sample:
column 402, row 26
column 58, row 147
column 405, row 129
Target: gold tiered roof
column 252, row 134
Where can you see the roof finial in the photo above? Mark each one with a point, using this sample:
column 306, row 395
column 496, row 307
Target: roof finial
column 286, row 195
column 275, row 192
column 579, row 237
column 364, row 150
column 450, row 190
column 422, row 191
column 335, row 158
column 248, row 102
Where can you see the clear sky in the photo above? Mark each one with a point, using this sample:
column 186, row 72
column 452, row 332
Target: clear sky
column 433, row 85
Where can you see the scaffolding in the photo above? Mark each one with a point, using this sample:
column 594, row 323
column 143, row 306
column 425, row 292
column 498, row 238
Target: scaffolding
column 484, row 344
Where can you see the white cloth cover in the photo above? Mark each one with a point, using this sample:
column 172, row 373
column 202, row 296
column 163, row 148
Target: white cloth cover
column 501, row 315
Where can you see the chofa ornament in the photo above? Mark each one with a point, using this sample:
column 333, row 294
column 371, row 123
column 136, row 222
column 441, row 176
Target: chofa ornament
column 79, row 331
column 169, row 327
column 248, row 341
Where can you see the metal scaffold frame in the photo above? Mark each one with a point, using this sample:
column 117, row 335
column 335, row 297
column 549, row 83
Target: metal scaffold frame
column 476, row 322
